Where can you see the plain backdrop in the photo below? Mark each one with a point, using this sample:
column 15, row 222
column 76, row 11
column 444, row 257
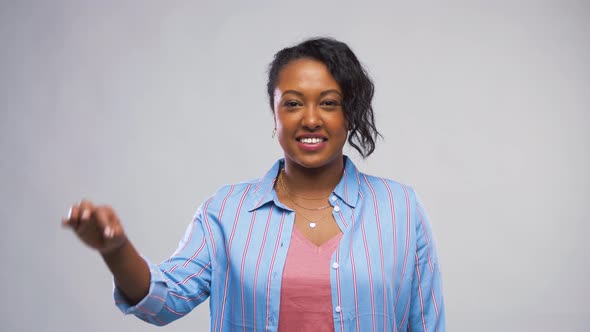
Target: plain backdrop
column 150, row 106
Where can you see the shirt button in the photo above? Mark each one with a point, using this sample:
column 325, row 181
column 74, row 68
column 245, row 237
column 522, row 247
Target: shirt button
column 336, row 208
column 335, row 265
column 333, row 198
column 338, row 309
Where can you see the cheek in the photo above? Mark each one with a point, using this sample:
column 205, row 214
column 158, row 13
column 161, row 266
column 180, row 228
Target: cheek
column 280, row 125
column 284, row 122
column 282, row 129
column 340, row 125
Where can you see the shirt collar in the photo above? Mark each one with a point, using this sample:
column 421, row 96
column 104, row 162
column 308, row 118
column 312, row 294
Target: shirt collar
column 347, row 189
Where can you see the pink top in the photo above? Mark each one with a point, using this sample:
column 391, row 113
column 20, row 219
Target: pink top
column 306, row 299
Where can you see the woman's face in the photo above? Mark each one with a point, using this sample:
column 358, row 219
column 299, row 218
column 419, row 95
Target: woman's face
column 309, row 118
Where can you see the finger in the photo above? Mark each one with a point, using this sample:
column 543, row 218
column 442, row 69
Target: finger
column 115, row 233
column 85, row 205
column 66, row 221
column 84, row 221
column 86, row 210
column 116, row 230
column 73, row 217
column 84, row 225
column 74, row 212
column 102, row 218
column 109, row 232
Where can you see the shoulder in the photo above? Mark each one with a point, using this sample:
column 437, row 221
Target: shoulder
column 241, row 196
column 382, row 186
column 383, row 194
column 231, row 195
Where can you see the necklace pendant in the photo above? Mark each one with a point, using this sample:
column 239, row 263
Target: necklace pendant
column 312, row 224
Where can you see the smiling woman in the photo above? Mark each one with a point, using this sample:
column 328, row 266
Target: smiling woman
column 309, row 118
column 313, row 245
column 354, row 85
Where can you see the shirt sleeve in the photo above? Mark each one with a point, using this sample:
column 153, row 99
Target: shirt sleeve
column 427, row 312
column 178, row 284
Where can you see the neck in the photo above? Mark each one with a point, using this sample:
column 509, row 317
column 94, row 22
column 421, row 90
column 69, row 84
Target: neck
column 313, row 182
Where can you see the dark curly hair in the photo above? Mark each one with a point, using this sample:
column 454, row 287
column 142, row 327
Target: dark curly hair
column 357, row 87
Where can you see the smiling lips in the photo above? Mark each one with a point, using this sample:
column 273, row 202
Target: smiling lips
column 311, row 143
column 311, row 140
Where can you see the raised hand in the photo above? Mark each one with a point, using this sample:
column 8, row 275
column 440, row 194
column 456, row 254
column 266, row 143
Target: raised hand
column 99, row 228
column 96, row 226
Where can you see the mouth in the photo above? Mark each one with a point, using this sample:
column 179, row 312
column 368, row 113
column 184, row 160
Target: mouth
column 311, row 140
column 312, row 144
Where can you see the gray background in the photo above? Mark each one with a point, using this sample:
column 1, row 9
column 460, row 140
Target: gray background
column 151, row 106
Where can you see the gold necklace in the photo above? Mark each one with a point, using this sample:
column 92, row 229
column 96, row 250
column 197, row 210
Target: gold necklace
column 302, row 197
column 288, row 193
column 312, row 223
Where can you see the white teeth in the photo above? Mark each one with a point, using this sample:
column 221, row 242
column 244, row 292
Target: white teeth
column 311, row 140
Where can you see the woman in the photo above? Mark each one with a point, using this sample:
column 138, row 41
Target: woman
column 313, row 245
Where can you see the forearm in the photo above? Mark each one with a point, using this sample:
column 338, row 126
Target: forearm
column 131, row 273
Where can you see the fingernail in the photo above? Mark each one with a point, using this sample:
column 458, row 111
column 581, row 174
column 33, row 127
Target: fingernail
column 108, row 232
column 85, row 214
column 70, row 213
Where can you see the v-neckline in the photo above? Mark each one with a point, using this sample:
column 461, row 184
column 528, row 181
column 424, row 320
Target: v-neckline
column 329, row 244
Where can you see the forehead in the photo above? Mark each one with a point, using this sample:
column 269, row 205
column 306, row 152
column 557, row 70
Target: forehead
column 306, row 75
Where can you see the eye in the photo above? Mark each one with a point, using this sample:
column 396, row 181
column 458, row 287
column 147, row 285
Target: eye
column 330, row 104
column 291, row 103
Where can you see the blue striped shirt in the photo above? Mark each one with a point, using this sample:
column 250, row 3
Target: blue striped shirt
column 384, row 274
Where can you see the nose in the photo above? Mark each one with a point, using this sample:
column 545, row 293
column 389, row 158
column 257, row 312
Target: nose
column 311, row 118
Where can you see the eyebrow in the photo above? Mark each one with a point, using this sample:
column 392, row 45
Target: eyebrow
column 323, row 93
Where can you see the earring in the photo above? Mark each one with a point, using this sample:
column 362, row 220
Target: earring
column 274, row 132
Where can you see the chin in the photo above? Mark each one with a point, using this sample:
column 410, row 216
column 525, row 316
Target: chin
column 312, row 162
